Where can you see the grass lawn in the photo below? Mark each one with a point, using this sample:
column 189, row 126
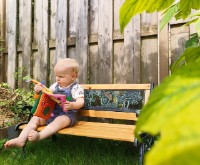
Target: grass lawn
column 72, row 150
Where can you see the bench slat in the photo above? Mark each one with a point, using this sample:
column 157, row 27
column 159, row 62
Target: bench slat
column 120, row 132
column 108, row 114
column 116, row 86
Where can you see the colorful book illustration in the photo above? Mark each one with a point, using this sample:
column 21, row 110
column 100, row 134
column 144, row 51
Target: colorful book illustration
column 46, row 101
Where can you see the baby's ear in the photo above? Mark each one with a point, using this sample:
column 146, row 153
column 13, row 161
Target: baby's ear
column 74, row 76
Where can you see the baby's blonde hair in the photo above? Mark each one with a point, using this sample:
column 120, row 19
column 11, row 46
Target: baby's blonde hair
column 70, row 63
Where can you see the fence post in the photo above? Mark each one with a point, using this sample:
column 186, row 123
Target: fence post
column 11, row 25
column 2, row 40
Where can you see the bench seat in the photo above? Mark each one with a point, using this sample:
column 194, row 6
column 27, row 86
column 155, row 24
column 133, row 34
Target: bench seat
column 98, row 130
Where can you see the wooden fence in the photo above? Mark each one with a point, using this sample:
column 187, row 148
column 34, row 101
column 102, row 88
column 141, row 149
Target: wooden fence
column 37, row 33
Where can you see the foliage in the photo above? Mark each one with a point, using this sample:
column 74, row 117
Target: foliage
column 193, row 41
column 132, row 7
column 26, row 98
column 174, row 103
column 14, row 100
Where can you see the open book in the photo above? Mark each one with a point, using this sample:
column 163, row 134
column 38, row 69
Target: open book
column 46, row 102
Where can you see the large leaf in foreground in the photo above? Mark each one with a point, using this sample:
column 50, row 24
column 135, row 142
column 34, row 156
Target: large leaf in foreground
column 168, row 15
column 132, row 7
column 173, row 113
column 187, row 5
column 190, row 55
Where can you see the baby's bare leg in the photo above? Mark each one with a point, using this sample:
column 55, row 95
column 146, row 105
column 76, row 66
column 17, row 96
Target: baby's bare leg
column 21, row 140
column 59, row 123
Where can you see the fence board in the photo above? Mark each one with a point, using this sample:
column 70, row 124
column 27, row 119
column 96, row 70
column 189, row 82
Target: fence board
column 93, row 31
column 25, row 31
column 127, row 62
column 118, row 47
column 119, row 61
column 179, row 35
column 35, row 25
column 93, row 50
column 41, row 70
column 82, row 38
column 72, row 18
column 2, row 42
column 53, row 13
column 149, row 49
column 52, row 75
column 163, row 39
column 61, row 30
column 11, row 17
column 93, row 16
column 105, row 45
column 132, row 50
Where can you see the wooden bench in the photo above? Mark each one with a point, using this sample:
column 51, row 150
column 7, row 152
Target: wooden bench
column 110, row 112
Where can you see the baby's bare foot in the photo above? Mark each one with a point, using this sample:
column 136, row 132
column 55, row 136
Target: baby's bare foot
column 33, row 136
column 17, row 142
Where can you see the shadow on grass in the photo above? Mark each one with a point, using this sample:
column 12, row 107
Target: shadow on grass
column 72, row 150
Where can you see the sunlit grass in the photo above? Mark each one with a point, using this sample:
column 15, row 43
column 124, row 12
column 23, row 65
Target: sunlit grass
column 72, row 150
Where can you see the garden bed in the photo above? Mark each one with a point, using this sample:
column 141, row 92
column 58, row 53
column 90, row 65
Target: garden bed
column 11, row 102
column 7, row 98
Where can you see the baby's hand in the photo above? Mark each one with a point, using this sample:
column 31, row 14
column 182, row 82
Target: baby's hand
column 38, row 88
column 68, row 106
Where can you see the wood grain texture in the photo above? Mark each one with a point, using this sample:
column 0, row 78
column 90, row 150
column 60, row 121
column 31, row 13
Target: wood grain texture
column 149, row 49
column 53, row 17
column 163, row 53
column 61, row 30
column 105, row 46
column 117, row 86
column 93, row 36
column 108, row 114
column 41, row 70
column 3, row 63
column 11, row 23
column 25, row 39
column 119, row 132
column 82, row 39
column 179, row 35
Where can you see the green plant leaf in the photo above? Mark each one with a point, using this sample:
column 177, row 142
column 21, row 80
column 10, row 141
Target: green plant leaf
column 193, row 41
column 197, row 26
column 191, row 22
column 181, row 142
column 168, row 15
column 190, row 55
column 132, row 7
column 187, row 5
column 174, row 106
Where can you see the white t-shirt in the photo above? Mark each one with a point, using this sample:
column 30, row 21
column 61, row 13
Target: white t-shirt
column 77, row 91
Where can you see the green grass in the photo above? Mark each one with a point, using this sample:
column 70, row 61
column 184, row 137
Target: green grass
column 72, row 150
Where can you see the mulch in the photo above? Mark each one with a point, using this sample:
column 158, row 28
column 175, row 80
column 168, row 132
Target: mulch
column 8, row 98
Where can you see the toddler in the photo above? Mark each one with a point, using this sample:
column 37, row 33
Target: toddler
column 66, row 71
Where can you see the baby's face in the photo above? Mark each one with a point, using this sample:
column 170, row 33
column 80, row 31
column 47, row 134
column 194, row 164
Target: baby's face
column 64, row 76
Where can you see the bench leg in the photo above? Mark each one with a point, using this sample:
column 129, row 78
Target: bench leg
column 141, row 153
column 54, row 138
column 23, row 151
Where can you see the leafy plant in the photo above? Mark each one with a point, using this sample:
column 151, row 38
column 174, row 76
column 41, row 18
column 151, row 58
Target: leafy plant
column 174, row 104
column 13, row 101
column 24, row 98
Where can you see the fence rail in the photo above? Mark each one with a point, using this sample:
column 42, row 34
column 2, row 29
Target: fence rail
column 38, row 33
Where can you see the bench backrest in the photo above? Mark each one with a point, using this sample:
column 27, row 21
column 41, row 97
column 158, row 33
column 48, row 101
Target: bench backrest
column 114, row 101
